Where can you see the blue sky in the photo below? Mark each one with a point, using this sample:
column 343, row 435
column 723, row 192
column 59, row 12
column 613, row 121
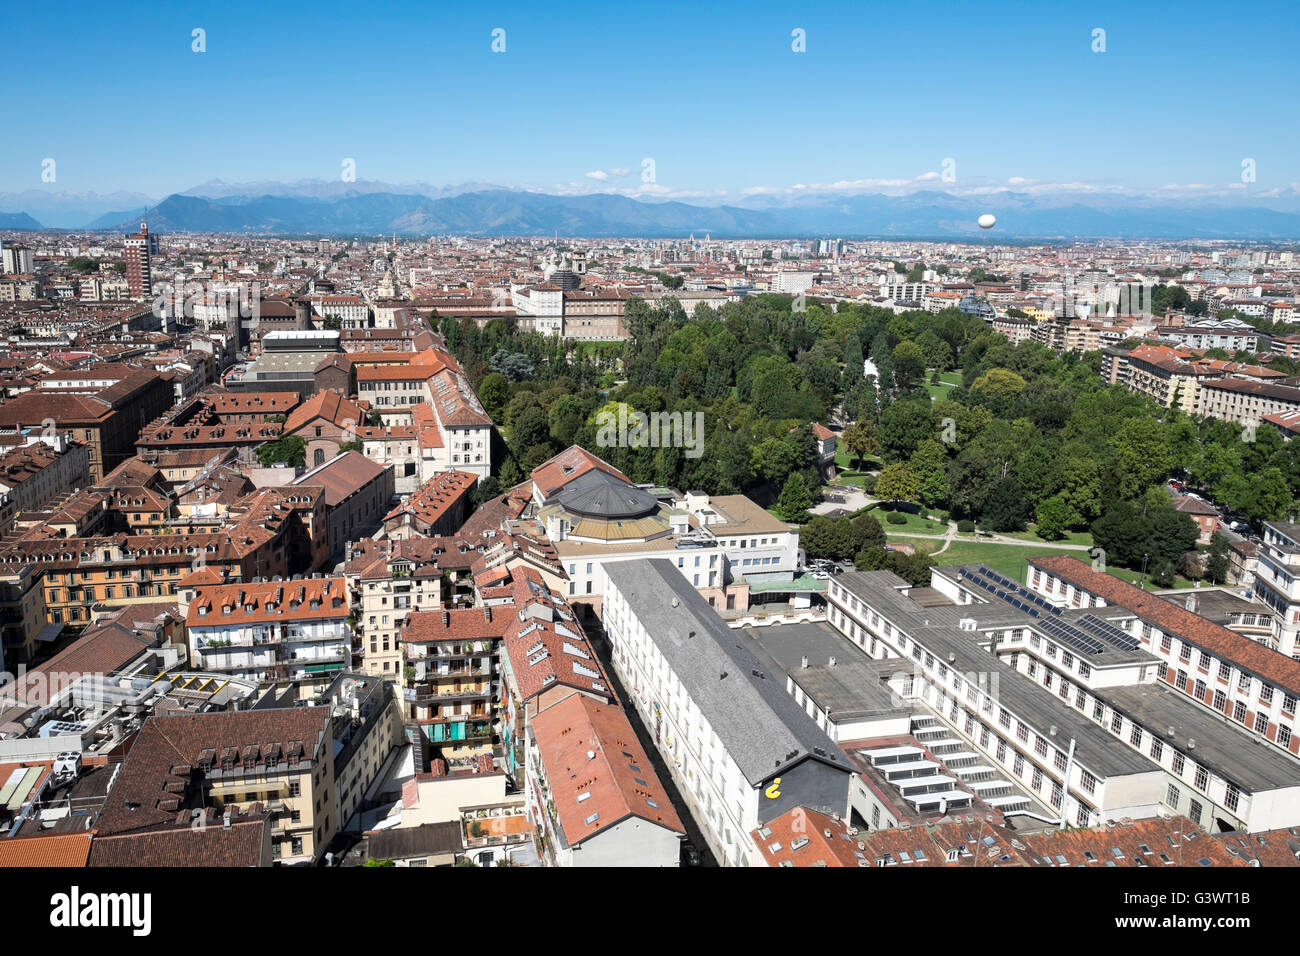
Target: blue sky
column 712, row 92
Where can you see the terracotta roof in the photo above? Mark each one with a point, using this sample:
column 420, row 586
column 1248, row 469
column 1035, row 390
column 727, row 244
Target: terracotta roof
column 342, row 476
column 598, row 771
column 552, row 475
column 802, row 837
column 310, row 599
column 457, row 624
column 55, row 849
column 330, row 406
column 545, row 643
column 1270, row 848
column 1277, row 669
column 439, row 495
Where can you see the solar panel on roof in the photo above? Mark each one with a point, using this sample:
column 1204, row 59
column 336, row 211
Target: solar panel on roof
column 1072, row 636
column 1113, row 635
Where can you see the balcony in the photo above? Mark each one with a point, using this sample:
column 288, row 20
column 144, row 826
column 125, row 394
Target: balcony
column 425, row 694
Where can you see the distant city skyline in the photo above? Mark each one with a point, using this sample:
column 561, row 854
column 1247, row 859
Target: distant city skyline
column 965, row 100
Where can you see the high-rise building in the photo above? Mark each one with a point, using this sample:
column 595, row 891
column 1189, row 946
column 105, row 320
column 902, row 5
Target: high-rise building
column 16, row 260
column 139, row 249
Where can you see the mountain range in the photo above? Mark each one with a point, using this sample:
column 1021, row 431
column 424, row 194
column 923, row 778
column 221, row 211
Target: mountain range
column 316, row 207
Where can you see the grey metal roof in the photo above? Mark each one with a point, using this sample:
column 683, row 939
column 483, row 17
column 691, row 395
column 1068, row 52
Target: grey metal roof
column 853, row 688
column 940, row 634
column 759, row 724
column 1222, row 745
column 601, row 495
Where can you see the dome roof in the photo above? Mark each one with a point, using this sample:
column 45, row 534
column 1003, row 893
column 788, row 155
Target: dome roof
column 597, row 494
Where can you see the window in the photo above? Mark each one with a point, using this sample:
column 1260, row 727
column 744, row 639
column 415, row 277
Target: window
column 1172, row 796
column 1239, row 711
column 1194, row 812
column 1284, row 735
column 1220, row 699
column 1202, row 778
column 1157, row 749
column 1088, row 781
column 1232, row 798
column 1261, row 723
column 1135, row 737
column 1178, row 763
column 1117, row 722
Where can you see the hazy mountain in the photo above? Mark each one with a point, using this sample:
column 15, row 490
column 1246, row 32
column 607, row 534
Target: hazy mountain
column 501, row 212
column 68, row 210
column 329, row 189
column 18, row 220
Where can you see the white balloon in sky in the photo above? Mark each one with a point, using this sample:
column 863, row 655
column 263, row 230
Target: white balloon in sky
column 987, row 221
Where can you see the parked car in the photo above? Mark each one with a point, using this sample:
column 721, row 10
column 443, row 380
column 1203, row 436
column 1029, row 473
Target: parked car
column 690, row 856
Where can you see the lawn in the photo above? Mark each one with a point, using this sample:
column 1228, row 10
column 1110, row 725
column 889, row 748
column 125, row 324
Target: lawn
column 1132, row 577
column 1012, row 559
column 916, row 524
column 1071, row 537
column 1008, row 559
column 847, row 479
column 949, row 381
column 845, row 461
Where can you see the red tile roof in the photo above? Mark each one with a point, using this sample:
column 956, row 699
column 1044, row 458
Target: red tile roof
column 55, row 849
column 1249, row 655
column 310, row 599
column 552, row 475
column 590, row 748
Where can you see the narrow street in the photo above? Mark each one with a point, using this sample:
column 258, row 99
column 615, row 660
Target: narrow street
column 596, row 633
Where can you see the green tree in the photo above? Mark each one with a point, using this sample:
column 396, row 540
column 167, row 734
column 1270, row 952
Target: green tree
column 930, row 465
column 909, row 364
column 1216, row 560
column 1006, row 509
column 859, row 440
column 903, row 426
column 494, row 392
column 795, row 499
column 897, row 482
column 1052, row 519
column 1140, row 456
column 288, row 450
